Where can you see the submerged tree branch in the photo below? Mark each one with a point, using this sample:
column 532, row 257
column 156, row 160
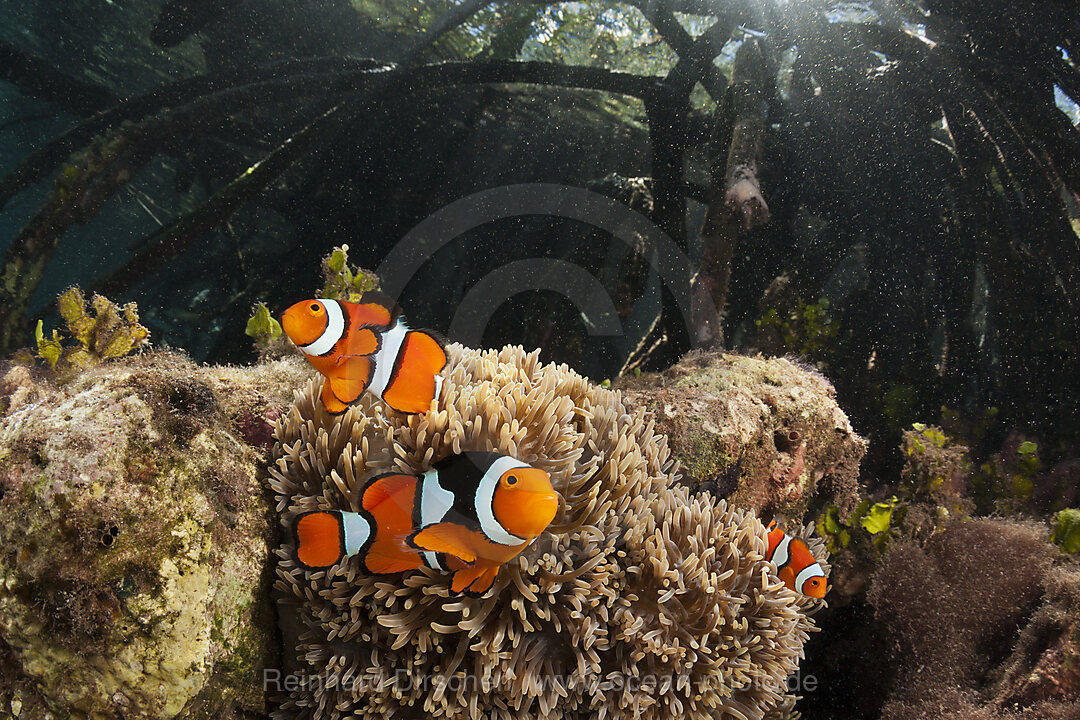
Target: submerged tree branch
column 170, row 241
column 34, row 76
column 736, row 204
column 216, row 93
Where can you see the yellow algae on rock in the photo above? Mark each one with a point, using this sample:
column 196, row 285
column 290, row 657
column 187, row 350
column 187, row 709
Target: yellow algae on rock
column 133, row 536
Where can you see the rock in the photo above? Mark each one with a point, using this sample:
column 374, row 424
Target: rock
column 134, row 534
column 765, row 433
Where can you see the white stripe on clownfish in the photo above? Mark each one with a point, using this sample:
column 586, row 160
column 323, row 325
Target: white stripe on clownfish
column 357, row 531
column 386, row 357
column 485, row 498
column 813, row 570
column 435, row 501
column 335, row 327
column 780, row 555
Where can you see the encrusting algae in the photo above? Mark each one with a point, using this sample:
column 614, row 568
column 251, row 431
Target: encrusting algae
column 642, row 600
column 134, row 535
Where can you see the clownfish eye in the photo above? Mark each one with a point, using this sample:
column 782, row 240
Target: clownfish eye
column 315, row 307
column 511, row 480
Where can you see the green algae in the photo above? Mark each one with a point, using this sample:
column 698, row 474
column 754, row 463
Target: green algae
column 806, row 328
column 870, row 524
column 878, row 518
column 1066, row 532
column 262, row 326
column 101, row 331
column 343, row 281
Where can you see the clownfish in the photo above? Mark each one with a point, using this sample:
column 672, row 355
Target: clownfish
column 366, row 346
column 468, row 515
column 795, row 565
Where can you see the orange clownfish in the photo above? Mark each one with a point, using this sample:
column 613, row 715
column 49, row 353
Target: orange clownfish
column 366, row 346
column 468, row 515
column 795, row 565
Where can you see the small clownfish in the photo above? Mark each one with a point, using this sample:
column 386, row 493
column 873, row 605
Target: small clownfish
column 468, row 515
column 795, row 565
column 366, row 346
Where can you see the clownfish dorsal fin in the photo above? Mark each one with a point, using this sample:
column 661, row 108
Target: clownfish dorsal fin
column 448, row 538
column 381, row 299
column 374, row 310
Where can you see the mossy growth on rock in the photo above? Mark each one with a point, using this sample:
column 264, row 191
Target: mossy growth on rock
column 930, row 494
column 134, row 535
column 935, row 466
column 765, row 433
column 982, row 620
column 101, row 331
column 1006, row 481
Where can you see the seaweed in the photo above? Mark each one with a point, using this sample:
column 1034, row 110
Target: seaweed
column 345, row 282
column 1066, row 532
column 101, row 331
column 806, row 328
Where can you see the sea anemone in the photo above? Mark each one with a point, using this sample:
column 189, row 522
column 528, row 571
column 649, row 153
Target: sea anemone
column 642, row 599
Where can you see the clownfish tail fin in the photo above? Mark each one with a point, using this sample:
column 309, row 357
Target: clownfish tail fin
column 320, row 538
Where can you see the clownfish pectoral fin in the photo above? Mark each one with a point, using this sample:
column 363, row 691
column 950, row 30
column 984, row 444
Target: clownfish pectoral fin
column 362, row 342
column 330, row 401
column 474, row 580
column 412, row 385
column 381, row 560
column 448, row 538
column 787, row 576
column 349, row 379
column 320, row 539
